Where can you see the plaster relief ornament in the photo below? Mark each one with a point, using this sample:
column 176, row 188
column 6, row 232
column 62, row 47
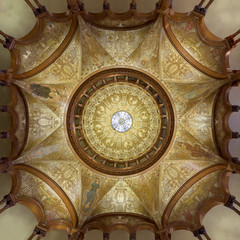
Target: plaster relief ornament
column 119, row 120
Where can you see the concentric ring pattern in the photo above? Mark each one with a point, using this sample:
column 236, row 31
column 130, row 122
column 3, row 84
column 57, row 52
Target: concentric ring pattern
column 122, row 121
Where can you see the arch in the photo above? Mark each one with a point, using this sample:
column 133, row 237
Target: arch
column 185, row 187
column 34, row 206
column 61, row 225
column 182, row 234
column 56, row 234
column 93, row 234
column 6, row 184
column 54, row 186
column 145, row 234
column 119, row 234
column 181, row 50
column 222, row 223
column 54, row 56
column 17, row 222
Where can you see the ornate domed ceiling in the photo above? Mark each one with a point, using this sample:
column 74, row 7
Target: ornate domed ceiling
column 119, row 121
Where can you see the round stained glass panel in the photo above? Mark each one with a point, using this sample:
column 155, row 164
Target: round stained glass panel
column 121, row 121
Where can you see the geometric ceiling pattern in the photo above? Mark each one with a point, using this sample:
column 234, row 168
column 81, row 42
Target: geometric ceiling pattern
column 72, row 168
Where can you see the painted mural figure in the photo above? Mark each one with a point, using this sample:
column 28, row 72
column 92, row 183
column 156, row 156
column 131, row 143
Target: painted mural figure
column 195, row 150
column 91, row 195
column 43, row 92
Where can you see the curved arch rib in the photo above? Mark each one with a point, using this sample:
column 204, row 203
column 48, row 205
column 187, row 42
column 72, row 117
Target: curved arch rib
column 54, row 56
column 185, row 187
column 54, row 186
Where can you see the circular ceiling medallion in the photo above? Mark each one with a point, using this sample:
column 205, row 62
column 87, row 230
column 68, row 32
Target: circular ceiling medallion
column 120, row 121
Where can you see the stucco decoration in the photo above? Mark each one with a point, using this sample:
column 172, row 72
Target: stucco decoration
column 93, row 68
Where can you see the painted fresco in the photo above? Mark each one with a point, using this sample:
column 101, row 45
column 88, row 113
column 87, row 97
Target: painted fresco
column 48, row 148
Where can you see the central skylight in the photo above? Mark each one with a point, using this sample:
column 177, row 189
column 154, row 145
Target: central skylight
column 121, row 121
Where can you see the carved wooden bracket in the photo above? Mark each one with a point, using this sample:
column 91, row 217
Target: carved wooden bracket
column 39, row 12
column 132, row 236
column 9, row 41
column 76, row 236
column 230, row 201
column 201, row 231
column 106, row 236
column 231, row 39
column 234, row 77
column 163, row 235
column 5, row 165
column 235, row 108
column 40, row 231
column 10, row 201
column 73, row 5
column 202, row 10
column 106, row 5
column 5, row 78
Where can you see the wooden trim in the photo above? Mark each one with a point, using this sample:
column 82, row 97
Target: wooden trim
column 27, row 120
column 59, row 191
column 60, row 224
column 179, row 225
column 94, row 18
column 54, row 56
column 16, row 180
column 34, row 206
column 181, row 50
column 33, row 35
column 205, row 207
column 210, row 203
column 16, row 149
column 185, row 187
column 226, row 127
column 59, row 17
column 96, row 223
column 14, row 66
column 221, row 92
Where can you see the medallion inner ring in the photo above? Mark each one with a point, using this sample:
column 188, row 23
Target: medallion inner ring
column 121, row 121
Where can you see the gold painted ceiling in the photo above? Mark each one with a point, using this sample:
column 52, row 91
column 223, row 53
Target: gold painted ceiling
column 188, row 173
